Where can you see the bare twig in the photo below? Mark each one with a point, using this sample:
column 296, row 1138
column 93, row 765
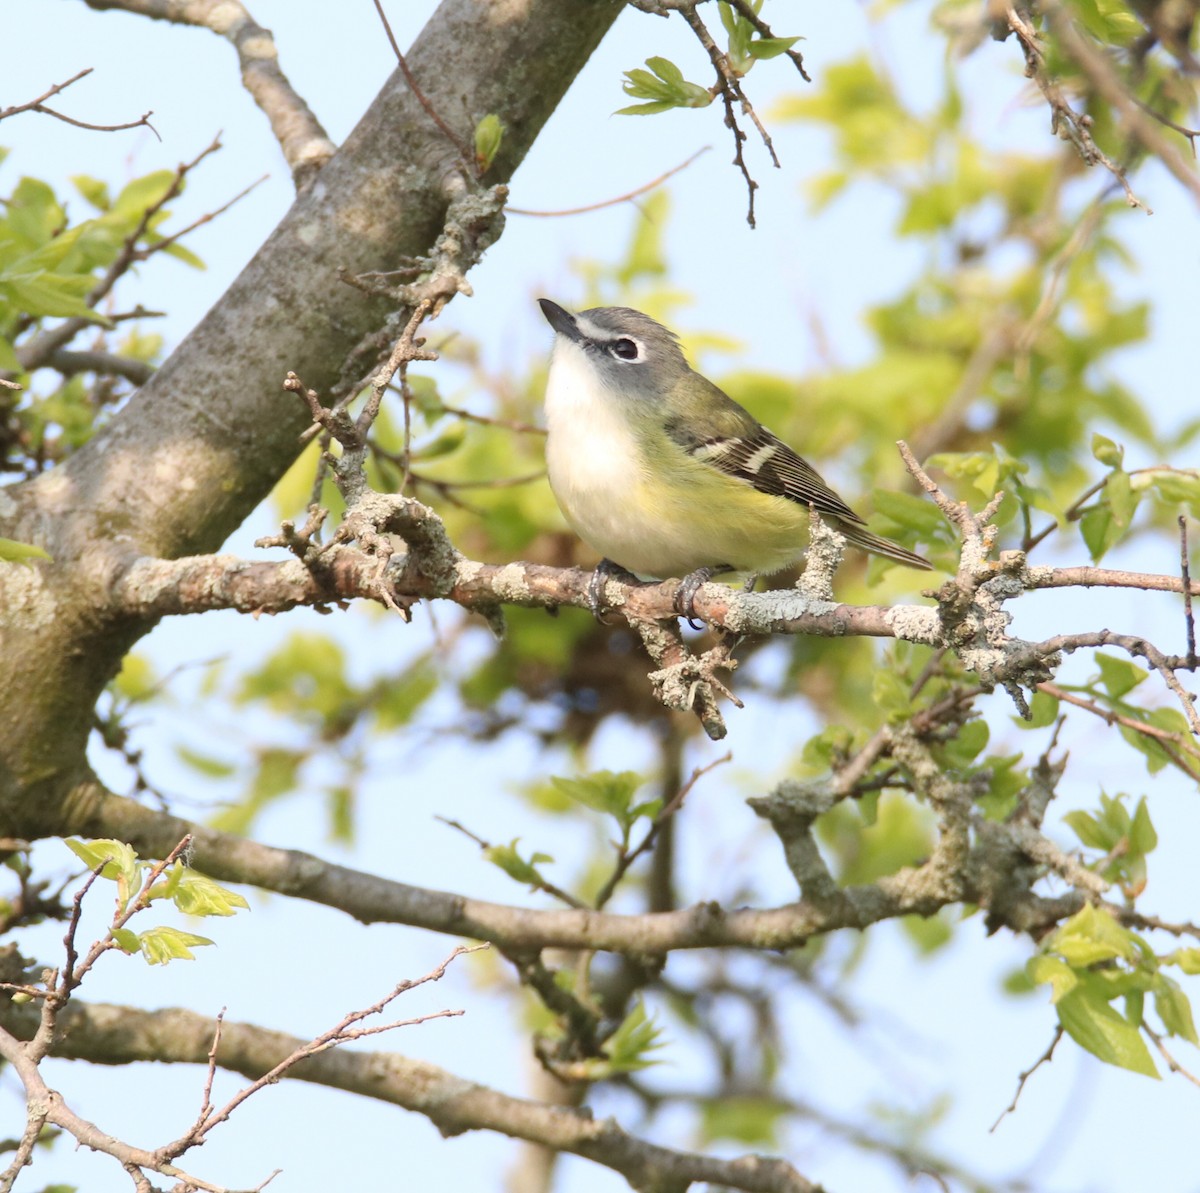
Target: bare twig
column 343, row 1032
column 1186, row 584
column 464, row 155
column 627, row 197
column 1045, row 1058
column 1172, row 1063
column 39, row 105
column 729, row 88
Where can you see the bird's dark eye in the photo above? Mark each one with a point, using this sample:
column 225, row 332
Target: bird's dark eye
column 624, row 349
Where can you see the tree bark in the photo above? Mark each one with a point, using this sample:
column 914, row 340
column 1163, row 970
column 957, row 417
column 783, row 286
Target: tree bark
column 204, row 440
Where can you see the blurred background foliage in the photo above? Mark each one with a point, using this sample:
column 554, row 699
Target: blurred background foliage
column 993, row 362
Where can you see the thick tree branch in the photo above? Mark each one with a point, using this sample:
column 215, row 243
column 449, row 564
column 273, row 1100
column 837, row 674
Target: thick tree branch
column 305, row 144
column 122, row 1035
column 203, row 441
column 97, row 813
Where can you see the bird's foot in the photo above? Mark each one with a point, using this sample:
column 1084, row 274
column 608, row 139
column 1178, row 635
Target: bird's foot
column 605, row 570
column 685, row 594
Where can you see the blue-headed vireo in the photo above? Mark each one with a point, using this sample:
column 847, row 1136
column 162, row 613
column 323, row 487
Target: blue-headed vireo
column 663, row 473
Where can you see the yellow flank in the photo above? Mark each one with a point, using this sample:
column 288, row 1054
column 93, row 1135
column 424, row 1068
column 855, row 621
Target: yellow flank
column 672, row 521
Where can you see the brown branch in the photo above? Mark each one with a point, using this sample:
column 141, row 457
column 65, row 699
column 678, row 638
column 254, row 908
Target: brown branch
column 1022, row 1078
column 464, row 156
column 627, row 197
column 730, row 90
column 123, row 1035
column 1174, row 745
column 1095, row 577
column 1186, row 584
column 306, row 146
column 39, row 105
column 1064, row 120
column 628, row 857
column 105, row 364
column 514, row 929
column 1104, row 81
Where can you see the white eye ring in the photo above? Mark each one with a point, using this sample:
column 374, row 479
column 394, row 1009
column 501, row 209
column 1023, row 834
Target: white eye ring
column 626, row 349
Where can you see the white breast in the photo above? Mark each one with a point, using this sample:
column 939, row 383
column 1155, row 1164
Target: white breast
column 593, row 459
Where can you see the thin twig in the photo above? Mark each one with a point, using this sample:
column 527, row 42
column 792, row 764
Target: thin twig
column 1100, row 74
column 1172, row 1063
column 1064, row 120
column 1045, row 1058
column 430, row 111
column 626, row 859
column 625, row 198
column 1108, row 715
column 730, row 89
column 1185, row 580
column 38, row 105
column 541, row 884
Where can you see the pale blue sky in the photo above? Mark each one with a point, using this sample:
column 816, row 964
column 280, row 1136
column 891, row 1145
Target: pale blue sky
column 299, row 968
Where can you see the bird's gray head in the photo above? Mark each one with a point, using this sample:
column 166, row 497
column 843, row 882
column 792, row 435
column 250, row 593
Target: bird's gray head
column 628, row 351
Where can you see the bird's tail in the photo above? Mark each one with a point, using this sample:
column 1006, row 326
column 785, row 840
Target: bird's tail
column 859, row 536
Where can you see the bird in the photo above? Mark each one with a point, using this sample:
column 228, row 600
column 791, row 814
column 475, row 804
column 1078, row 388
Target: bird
column 665, row 475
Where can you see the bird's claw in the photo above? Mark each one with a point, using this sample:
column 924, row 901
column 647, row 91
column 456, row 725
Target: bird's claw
column 685, row 594
column 605, row 570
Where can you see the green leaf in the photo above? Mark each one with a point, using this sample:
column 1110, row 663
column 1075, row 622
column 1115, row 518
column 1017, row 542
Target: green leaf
column 13, row 552
column 607, row 792
column 205, row 764
column 904, row 509
column 1106, row 451
column 1046, row 970
column 1096, row 1027
column 665, row 88
column 137, row 680
column 970, row 740
column 770, row 47
column 93, row 190
column 115, row 860
column 128, row 940
column 1119, row 675
column 489, row 133
column 163, row 944
column 628, row 1048
column 197, row 894
column 142, row 193
column 1175, row 1010
column 749, row 1121
column 1089, row 936
column 515, row 866
column 53, row 295
column 1143, row 838
column 1087, row 828
column 1187, row 959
